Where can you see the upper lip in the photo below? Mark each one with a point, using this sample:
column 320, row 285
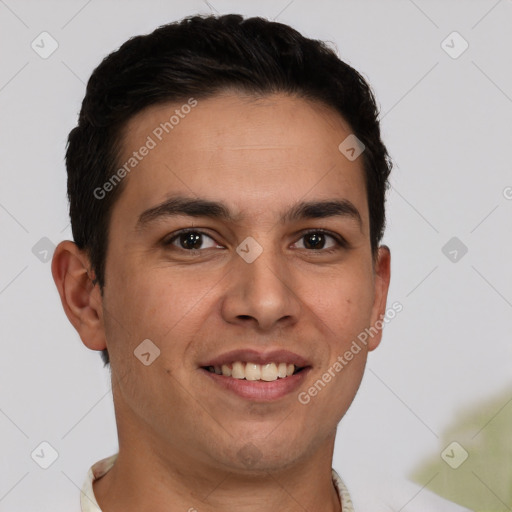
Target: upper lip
column 257, row 357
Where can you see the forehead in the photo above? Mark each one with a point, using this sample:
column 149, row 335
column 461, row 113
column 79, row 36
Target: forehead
column 238, row 121
column 255, row 153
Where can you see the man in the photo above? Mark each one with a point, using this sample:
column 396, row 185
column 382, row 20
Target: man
column 227, row 184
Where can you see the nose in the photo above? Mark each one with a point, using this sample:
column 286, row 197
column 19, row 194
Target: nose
column 261, row 293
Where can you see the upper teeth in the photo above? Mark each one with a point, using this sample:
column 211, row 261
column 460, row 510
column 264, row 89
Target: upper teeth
column 253, row 371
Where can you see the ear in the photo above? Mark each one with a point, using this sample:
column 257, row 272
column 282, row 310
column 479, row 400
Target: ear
column 80, row 297
column 382, row 275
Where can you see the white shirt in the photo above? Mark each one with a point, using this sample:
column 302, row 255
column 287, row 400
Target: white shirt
column 387, row 498
column 88, row 501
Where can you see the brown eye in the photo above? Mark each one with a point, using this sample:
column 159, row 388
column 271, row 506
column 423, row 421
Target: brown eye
column 320, row 240
column 314, row 240
column 191, row 240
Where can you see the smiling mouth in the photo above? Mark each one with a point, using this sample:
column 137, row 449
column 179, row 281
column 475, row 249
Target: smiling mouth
column 255, row 372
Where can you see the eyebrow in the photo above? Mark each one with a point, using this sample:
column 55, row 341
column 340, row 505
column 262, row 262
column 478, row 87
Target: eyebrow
column 196, row 207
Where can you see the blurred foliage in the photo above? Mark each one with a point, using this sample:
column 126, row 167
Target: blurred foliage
column 483, row 482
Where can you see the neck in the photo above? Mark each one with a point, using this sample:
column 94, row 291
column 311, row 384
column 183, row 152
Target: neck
column 170, row 467
column 146, row 477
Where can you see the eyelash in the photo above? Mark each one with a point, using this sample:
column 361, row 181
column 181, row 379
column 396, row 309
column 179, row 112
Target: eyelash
column 341, row 243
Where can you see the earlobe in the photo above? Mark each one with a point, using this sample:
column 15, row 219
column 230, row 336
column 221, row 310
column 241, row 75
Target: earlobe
column 80, row 297
column 382, row 279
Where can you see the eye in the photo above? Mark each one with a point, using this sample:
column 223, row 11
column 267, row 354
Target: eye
column 190, row 240
column 316, row 240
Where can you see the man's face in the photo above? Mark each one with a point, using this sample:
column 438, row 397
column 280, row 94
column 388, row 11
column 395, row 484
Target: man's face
column 198, row 298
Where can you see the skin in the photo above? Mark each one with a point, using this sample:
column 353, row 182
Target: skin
column 179, row 434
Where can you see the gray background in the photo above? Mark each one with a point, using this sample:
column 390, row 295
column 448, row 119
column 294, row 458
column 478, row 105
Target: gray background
column 446, row 122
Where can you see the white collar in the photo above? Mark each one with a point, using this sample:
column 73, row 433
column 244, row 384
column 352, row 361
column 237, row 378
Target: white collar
column 88, row 501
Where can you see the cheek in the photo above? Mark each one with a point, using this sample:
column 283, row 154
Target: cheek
column 159, row 304
column 343, row 300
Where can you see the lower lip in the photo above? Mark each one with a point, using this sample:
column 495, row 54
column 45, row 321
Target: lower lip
column 259, row 390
